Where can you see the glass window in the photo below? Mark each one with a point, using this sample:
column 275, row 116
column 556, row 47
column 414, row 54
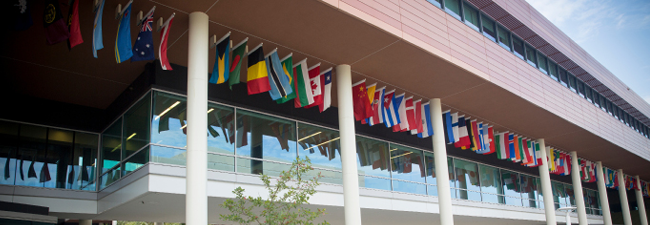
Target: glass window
column 491, row 184
column 588, row 94
column 8, row 149
column 489, row 29
column 84, row 161
column 552, row 71
column 541, row 61
column 581, row 88
column 435, row 2
column 504, row 37
column 453, row 8
column 572, row 82
column 431, row 174
column 221, row 130
column 571, row 198
column 373, row 163
column 471, row 16
column 518, row 46
column 511, row 187
column 136, row 126
column 596, row 98
column 560, row 196
column 529, row 190
column 406, row 164
column 136, row 161
column 168, row 121
column 110, row 177
column 603, row 105
column 111, row 146
column 467, row 180
column 609, row 107
column 321, row 145
column 530, row 55
column 564, row 79
column 59, row 159
column 32, row 169
column 255, row 139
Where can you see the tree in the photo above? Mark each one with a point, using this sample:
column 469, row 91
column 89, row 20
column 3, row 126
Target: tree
column 286, row 203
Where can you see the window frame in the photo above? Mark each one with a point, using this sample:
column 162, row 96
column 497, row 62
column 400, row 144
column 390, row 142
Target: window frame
column 507, row 46
column 477, row 13
column 533, row 51
column 516, row 40
column 494, row 27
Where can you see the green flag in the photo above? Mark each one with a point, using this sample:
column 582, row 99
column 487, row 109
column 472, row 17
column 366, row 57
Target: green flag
column 236, row 60
column 304, row 95
column 287, row 66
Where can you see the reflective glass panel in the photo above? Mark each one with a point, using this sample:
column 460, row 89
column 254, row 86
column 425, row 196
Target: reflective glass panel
column 490, row 180
column 564, row 79
column 518, row 46
column 255, row 138
column 221, row 162
column 511, row 183
column 435, row 2
column 136, row 126
column 530, row 55
column 32, row 157
column 111, row 146
column 552, row 71
column 110, row 177
column 372, row 157
column 59, row 159
column 453, row 7
column 375, row 182
column 571, row 200
column 321, row 145
column 541, row 61
column 136, row 161
column 471, row 16
column 559, row 195
column 169, row 120
column 168, row 155
column 406, row 164
column 504, row 37
column 529, row 190
column 467, row 178
column 488, row 27
column 581, row 89
column 8, row 150
column 431, row 170
column 221, row 129
column 84, row 161
column 253, row 166
column 572, row 82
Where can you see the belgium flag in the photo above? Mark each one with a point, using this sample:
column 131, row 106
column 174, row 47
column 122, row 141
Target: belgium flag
column 257, row 79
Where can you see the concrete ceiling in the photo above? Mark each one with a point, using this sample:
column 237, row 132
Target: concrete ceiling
column 308, row 29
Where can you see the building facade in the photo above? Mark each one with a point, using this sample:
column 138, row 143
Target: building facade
column 92, row 140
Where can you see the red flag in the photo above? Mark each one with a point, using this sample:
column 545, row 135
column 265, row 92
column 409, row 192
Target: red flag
column 162, row 50
column 491, row 140
column 417, row 128
column 316, row 83
column 410, row 114
column 361, row 102
column 73, row 25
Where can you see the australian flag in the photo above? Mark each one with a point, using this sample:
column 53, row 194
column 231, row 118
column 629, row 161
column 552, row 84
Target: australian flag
column 143, row 47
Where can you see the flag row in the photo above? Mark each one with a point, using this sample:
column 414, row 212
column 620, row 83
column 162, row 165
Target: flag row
column 374, row 105
column 283, row 79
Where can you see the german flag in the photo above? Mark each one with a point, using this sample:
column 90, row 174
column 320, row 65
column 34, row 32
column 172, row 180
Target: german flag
column 257, row 79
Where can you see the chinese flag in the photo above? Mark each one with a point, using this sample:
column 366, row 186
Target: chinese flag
column 362, row 109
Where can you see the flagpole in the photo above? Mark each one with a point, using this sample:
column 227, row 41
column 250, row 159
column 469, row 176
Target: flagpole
column 602, row 192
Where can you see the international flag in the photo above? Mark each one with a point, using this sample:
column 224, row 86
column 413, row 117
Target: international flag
column 220, row 70
column 454, row 126
column 538, row 150
column 471, row 128
column 327, row 90
column 162, row 49
column 55, row 27
column 490, row 140
column 511, row 146
column 500, row 145
column 238, row 53
column 315, row 82
column 22, row 17
column 481, row 140
column 377, row 107
column 485, row 139
column 463, row 138
column 123, row 49
column 410, row 114
column 280, row 84
column 399, row 110
column 257, row 79
column 98, row 42
column 390, row 119
column 448, row 130
column 371, row 97
column 73, row 25
column 551, row 160
column 143, row 47
column 304, row 96
column 287, row 67
column 418, row 118
column 428, row 126
column 360, row 100
column 517, row 148
column 524, row 147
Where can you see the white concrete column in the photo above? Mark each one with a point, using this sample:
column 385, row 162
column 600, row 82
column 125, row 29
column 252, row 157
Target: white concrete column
column 440, row 158
column 114, row 222
column 639, row 202
column 622, row 193
column 85, row 222
column 348, row 145
column 602, row 193
column 196, row 199
column 577, row 189
column 547, row 190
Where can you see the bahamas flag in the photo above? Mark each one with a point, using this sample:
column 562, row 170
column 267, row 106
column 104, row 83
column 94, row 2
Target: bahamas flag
column 257, row 78
column 220, row 71
column 280, row 82
column 123, row 49
column 287, row 65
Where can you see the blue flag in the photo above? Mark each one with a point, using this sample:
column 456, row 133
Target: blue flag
column 428, row 126
column 221, row 69
column 98, row 42
column 448, row 128
column 123, row 48
column 143, row 47
column 280, row 84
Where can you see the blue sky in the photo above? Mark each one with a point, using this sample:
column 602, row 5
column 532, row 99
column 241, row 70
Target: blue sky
column 616, row 33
